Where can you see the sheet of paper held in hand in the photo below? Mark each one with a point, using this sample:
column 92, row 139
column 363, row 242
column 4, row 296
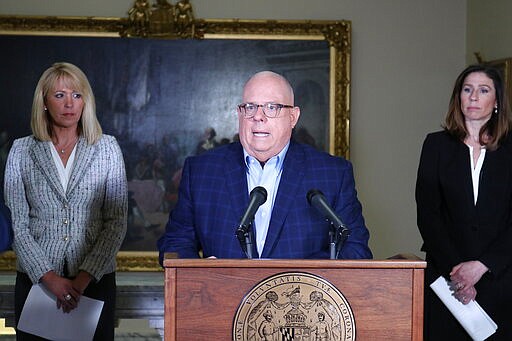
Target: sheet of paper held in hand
column 471, row 316
column 41, row 317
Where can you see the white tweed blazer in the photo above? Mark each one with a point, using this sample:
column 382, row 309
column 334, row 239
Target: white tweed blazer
column 83, row 226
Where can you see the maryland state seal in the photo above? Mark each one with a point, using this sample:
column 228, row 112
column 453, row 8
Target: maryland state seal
column 294, row 306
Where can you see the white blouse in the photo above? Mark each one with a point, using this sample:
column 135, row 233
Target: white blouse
column 476, row 169
column 64, row 171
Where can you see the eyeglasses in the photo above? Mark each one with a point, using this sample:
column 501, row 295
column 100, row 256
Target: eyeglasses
column 271, row 110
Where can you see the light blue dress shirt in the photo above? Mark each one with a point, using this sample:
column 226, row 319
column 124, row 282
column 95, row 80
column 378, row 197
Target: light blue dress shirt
column 267, row 176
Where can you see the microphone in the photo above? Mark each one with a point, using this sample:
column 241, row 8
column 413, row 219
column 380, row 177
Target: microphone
column 257, row 197
column 340, row 233
column 317, row 199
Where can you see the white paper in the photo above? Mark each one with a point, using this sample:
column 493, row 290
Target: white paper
column 41, row 317
column 471, row 316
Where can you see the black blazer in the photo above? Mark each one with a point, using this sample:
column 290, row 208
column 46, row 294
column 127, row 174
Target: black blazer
column 453, row 228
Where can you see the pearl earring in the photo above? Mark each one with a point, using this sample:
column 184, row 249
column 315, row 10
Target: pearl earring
column 496, row 110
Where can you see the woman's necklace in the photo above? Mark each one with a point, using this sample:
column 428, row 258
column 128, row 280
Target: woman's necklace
column 62, row 149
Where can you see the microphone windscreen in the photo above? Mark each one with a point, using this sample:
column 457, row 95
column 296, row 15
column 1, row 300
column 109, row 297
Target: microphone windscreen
column 261, row 191
column 312, row 193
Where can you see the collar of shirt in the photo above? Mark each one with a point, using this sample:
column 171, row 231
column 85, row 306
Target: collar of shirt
column 269, row 177
column 277, row 164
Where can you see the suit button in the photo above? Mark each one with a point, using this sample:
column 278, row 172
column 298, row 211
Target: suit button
column 65, row 238
column 65, row 221
column 474, row 228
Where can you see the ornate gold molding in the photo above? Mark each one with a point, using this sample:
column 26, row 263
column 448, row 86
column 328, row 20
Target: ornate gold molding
column 48, row 25
column 170, row 21
column 138, row 261
column 126, row 261
column 8, row 261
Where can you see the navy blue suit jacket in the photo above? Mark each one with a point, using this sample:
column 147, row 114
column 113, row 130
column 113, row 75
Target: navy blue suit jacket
column 5, row 226
column 213, row 196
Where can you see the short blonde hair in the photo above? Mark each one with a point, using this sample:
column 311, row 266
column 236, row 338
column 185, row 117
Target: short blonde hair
column 40, row 123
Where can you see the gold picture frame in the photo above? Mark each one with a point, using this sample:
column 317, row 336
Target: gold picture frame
column 505, row 66
column 177, row 21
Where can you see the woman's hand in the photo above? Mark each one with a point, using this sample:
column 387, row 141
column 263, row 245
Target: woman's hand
column 464, row 276
column 62, row 288
column 465, row 295
column 81, row 282
column 467, row 274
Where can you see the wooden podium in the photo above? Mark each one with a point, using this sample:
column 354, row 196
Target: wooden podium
column 202, row 296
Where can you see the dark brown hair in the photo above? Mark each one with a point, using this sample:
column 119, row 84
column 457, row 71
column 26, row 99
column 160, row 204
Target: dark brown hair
column 494, row 130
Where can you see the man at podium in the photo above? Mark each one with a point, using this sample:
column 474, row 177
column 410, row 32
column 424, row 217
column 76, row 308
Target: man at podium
column 216, row 190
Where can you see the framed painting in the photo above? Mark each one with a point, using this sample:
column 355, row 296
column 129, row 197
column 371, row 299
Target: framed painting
column 167, row 85
column 505, row 66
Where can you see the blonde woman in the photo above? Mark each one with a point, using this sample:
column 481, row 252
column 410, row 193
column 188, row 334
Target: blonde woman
column 66, row 188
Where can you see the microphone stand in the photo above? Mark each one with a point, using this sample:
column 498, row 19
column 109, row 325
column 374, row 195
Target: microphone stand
column 245, row 238
column 337, row 237
column 332, row 242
